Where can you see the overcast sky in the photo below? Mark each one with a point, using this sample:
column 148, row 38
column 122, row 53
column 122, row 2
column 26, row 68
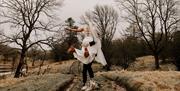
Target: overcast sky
column 76, row 8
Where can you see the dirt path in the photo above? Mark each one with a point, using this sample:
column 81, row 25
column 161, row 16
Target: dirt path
column 104, row 85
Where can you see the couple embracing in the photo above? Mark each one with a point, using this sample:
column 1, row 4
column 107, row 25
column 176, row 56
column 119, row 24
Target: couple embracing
column 90, row 50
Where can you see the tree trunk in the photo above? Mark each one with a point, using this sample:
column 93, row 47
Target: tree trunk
column 13, row 63
column 156, row 61
column 33, row 61
column 41, row 66
column 21, row 62
column 5, row 59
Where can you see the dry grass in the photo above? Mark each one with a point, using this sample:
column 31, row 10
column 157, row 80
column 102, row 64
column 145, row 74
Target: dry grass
column 147, row 81
column 48, row 82
column 139, row 77
column 146, row 63
column 8, row 81
column 57, row 67
column 52, row 68
column 48, row 68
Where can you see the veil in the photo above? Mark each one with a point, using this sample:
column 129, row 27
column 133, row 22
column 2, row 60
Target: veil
column 100, row 56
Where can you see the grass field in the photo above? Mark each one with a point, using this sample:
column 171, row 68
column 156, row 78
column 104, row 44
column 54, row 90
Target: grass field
column 146, row 63
column 147, row 80
column 140, row 76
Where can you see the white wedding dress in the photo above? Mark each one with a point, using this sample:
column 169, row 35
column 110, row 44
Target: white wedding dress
column 95, row 51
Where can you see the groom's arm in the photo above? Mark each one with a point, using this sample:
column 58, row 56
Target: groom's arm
column 71, row 50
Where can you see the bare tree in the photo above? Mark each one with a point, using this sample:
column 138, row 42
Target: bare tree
column 71, row 36
column 155, row 20
column 33, row 53
column 31, row 20
column 105, row 19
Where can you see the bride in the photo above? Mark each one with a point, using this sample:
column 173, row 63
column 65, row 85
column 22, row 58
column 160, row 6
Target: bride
column 91, row 49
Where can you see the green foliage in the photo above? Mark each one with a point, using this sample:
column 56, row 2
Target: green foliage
column 176, row 44
column 176, row 49
column 125, row 51
column 8, row 53
column 59, row 48
column 59, row 52
column 71, row 37
column 70, row 22
column 37, row 54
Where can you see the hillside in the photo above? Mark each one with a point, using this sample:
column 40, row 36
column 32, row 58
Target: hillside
column 62, row 76
column 142, row 76
column 146, row 63
column 146, row 81
column 48, row 82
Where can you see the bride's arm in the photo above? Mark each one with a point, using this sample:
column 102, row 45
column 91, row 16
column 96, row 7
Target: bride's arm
column 75, row 30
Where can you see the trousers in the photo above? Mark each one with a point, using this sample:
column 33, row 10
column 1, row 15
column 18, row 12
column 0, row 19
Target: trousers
column 87, row 69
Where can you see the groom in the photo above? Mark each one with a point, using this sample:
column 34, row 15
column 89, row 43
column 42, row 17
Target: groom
column 86, row 55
